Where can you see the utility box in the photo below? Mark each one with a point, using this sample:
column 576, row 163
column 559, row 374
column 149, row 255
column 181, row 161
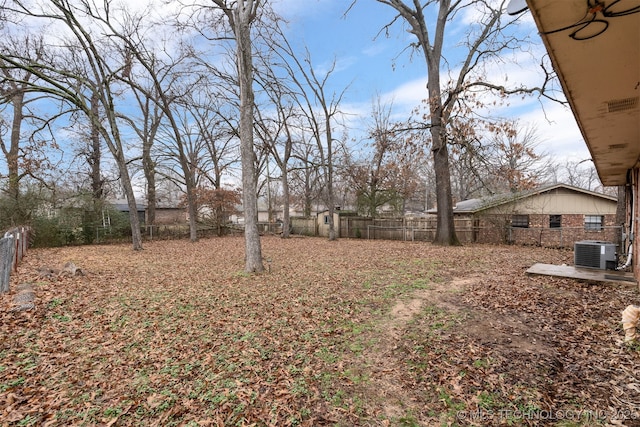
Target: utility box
column 595, row 254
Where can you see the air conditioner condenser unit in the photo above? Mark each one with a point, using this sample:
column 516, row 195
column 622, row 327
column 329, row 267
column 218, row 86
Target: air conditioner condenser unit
column 595, row 254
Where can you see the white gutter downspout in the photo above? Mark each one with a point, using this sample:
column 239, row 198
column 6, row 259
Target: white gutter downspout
column 633, row 218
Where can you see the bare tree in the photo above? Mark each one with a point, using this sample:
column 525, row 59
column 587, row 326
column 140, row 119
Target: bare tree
column 496, row 156
column 218, row 131
column 514, row 162
column 320, row 108
column 146, row 128
column 94, row 152
column 277, row 130
column 13, row 93
column 486, row 40
column 24, row 149
column 56, row 78
column 240, row 15
column 468, row 171
column 305, row 172
column 166, row 70
column 581, row 174
column 389, row 176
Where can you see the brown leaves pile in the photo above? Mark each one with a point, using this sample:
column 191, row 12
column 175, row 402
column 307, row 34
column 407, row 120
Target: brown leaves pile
column 177, row 334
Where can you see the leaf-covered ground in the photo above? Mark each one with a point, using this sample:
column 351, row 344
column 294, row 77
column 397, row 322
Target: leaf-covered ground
column 352, row 332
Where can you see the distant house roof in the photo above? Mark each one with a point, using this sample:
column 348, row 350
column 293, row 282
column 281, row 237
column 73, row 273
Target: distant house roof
column 122, row 205
column 338, row 212
column 472, row 206
column 167, row 204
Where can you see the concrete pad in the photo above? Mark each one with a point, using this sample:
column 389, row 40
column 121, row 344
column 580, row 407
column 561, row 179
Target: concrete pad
column 579, row 273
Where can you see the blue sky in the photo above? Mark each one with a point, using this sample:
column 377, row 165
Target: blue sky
column 366, row 64
column 373, row 66
column 328, row 34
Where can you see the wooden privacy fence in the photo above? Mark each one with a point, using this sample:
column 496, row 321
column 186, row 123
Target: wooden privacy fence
column 468, row 230
column 420, row 229
column 13, row 247
column 304, row 226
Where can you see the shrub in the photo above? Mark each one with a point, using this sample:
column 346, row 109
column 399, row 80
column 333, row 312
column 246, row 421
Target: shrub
column 47, row 233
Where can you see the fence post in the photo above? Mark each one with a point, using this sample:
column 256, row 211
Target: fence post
column 16, row 251
column 7, row 251
column 24, row 245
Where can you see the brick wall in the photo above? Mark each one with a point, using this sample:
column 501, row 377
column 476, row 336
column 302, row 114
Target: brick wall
column 170, row 216
column 497, row 229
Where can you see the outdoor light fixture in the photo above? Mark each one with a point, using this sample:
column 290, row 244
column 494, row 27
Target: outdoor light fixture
column 516, row 6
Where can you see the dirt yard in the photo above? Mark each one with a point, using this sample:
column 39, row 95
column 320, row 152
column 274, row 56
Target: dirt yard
column 345, row 333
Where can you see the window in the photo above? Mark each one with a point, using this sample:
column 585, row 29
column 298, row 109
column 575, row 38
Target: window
column 326, row 219
column 593, row 222
column 555, row 221
column 520, row 221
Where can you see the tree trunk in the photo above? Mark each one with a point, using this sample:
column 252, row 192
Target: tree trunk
column 95, row 152
column 332, row 224
column 149, row 169
column 286, row 220
column 307, row 192
column 219, row 215
column 445, row 230
column 329, row 175
column 253, row 249
column 136, row 236
column 152, row 199
column 193, row 212
column 17, row 101
column 373, row 194
column 445, row 227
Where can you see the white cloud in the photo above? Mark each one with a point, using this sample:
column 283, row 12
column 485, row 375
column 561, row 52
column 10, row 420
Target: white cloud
column 409, row 94
column 555, row 124
column 558, row 131
column 375, row 49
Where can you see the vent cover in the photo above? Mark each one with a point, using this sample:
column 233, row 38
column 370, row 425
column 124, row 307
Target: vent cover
column 595, row 254
column 617, row 105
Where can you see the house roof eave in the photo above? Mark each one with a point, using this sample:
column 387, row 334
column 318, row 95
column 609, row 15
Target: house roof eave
column 507, row 198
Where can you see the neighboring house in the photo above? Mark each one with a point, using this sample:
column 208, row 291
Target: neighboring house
column 263, row 214
column 122, row 206
column 553, row 215
column 608, row 112
column 277, row 212
column 170, row 215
